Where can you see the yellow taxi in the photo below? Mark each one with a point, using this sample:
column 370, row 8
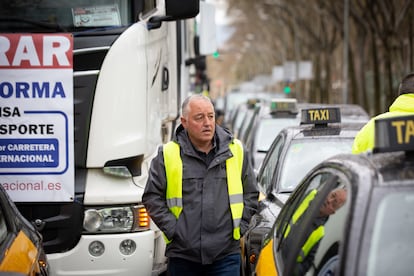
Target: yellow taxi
column 21, row 251
column 351, row 214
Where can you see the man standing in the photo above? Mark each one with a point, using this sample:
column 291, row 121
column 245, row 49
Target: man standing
column 201, row 192
column 403, row 105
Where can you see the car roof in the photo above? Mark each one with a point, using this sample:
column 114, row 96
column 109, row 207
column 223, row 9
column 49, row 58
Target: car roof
column 351, row 115
column 266, row 126
column 335, row 129
column 391, row 168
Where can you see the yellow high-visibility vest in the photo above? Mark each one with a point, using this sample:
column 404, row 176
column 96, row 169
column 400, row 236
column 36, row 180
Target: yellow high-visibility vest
column 174, row 173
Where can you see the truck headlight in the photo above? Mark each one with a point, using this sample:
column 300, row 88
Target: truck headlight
column 116, row 219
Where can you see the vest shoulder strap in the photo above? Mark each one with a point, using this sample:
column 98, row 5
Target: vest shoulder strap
column 174, row 174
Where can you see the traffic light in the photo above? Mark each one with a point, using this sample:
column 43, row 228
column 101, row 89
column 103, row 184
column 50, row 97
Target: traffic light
column 216, row 54
column 288, row 88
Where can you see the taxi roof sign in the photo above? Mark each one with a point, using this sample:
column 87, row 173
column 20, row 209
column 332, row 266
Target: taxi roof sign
column 284, row 105
column 321, row 116
column 394, row 134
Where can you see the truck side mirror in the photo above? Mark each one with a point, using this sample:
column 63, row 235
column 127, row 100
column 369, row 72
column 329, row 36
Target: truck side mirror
column 175, row 10
column 181, row 9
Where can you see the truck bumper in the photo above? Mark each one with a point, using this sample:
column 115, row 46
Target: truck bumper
column 79, row 261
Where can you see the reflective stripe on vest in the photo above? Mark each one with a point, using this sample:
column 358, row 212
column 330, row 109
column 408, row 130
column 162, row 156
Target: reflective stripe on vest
column 174, row 173
column 313, row 239
column 300, row 210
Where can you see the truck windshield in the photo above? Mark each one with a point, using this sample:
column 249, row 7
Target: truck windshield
column 64, row 15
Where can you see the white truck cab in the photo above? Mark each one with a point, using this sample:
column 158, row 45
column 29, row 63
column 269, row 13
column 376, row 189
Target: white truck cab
column 127, row 90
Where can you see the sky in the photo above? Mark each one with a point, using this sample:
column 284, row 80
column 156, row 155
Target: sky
column 220, row 5
column 223, row 31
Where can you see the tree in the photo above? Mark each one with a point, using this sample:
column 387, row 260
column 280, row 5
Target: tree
column 269, row 32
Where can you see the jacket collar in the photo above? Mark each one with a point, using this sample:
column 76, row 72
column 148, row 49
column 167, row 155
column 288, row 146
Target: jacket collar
column 222, row 137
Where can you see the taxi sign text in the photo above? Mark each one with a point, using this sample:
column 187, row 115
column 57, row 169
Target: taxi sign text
column 394, row 134
column 321, row 116
column 316, row 115
column 404, row 131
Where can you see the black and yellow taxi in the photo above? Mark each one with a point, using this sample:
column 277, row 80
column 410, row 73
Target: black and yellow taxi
column 21, row 251
column 293, row 153
column 351, row 214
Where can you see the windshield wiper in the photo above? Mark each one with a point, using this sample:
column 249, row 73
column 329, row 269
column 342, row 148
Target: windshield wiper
column 51, row 26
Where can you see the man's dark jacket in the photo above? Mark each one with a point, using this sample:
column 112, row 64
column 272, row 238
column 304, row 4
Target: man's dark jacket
column 203, row 232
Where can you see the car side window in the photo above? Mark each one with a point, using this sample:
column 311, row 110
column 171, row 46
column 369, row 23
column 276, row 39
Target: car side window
column 272, row 159
column 296, row 208
column 336, row 205
column 284, row 220
column 312, row 228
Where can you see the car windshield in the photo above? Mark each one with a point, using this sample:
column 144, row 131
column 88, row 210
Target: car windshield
column 303, row 155
column 268, row 130
column 73, row 15
column 392, row 230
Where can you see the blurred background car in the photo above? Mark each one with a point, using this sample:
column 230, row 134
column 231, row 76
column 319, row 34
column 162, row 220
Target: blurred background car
column 21, row 249
column 273, row 116
column 293, row 153
column 234, row 98
column 243, row 114
column 368, row 230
